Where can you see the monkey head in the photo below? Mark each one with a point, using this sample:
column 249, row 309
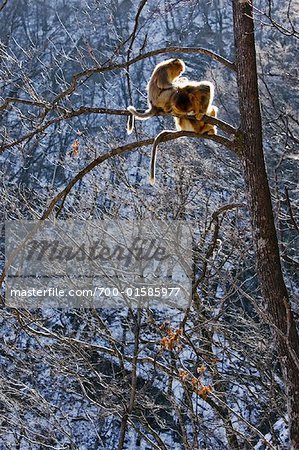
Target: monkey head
column 192, row 97
column 182, row 103
column 176, row 68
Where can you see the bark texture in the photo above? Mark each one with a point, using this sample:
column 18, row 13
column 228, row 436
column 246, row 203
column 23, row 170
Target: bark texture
column 259, row 201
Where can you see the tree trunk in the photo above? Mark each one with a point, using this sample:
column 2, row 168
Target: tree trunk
column 259, row 202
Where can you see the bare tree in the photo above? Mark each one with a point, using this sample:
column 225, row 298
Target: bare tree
column 206, row 377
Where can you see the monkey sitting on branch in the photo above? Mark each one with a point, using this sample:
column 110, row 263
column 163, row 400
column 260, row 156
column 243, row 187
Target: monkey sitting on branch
column 160, row 89
column 170, row 93
column 194, row 99
column 197, row 126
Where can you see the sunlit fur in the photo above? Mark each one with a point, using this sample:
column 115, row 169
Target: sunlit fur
column 160, row 89
column 198, row 126
column 192, row 98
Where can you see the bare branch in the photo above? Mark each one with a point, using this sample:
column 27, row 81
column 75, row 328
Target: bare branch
column 69, row 114
column 111, row 67
column 293, row 220
column 169, row 135
column 132, row 40
column 66, row 115
column 282, row 29
column 24, row 101
column 3, row 4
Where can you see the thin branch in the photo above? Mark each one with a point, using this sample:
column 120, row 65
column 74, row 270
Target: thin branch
column 32, row 133
column 69, row 114
column 3, row 4
column 169, row 135
column 213, row 244
column 132, row 40
column 252, row 427
column 65, row 116
column 282, row 29
column 24, row 101
column 293, row 220
column 189, row 50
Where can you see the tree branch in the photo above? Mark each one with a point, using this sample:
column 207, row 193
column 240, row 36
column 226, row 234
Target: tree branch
column 169, row 135
column 66, row 115
column 189, row 50
column 224, row 126
column 69, row 114
column 3, row 4
column 24, row 101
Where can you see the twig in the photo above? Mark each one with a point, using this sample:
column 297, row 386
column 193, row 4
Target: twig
column 69, row 114
column 293, row 220
column 168, row 135
column 132, row 40
column 3, row 4
column 125, row 65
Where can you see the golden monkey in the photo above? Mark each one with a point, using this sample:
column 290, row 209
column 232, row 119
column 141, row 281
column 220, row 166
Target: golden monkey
column 160, row 89
column 192, row 98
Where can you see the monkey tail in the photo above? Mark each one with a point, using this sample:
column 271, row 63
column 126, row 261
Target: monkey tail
column 130, row 123
column 142, row 115
column 158, row 139
column 152, row 177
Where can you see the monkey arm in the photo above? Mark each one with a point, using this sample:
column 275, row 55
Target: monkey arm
column 224, row 126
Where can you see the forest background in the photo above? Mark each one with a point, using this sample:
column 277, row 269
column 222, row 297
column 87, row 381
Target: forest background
column 209, row 378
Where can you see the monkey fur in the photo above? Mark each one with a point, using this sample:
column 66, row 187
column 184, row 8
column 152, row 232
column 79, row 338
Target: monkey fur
column 198, row 126
column 160, row 89
column 192, row 98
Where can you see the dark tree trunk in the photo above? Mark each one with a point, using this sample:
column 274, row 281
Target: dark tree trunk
column 259, row 201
